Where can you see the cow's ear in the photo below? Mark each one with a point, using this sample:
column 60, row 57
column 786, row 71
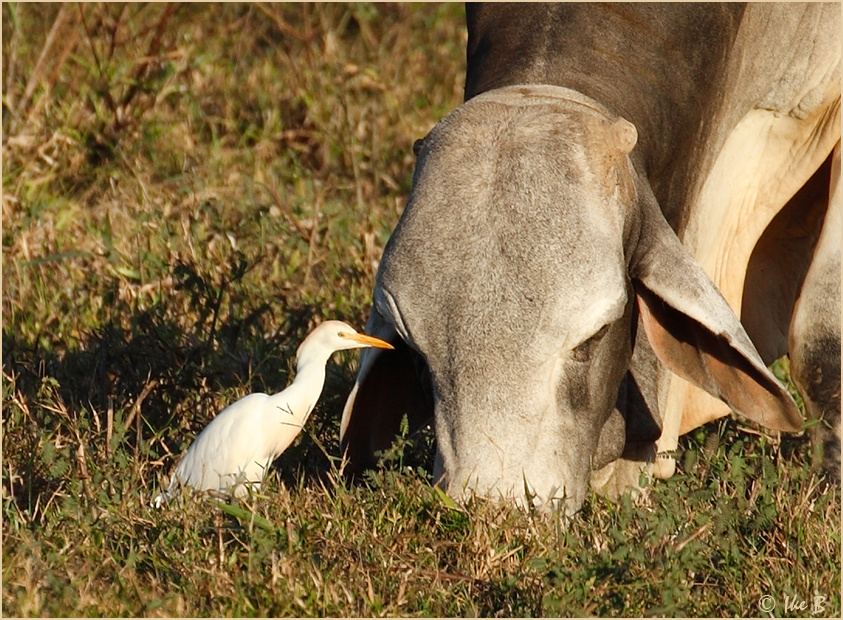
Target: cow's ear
column 389, row 385
column 694, row 332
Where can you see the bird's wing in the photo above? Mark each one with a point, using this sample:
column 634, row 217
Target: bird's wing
column 231, row 447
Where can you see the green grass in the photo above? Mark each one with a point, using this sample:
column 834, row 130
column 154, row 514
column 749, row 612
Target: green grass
column 188, row 191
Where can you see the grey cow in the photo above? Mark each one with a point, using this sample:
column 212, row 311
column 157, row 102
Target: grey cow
column 622, row 182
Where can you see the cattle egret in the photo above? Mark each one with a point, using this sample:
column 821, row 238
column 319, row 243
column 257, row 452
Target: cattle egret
column 234, row 451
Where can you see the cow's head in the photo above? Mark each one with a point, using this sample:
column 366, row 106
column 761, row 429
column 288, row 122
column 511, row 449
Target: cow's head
column 528, row 259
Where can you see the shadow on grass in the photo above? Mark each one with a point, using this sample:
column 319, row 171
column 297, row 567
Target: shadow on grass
column 147, row 380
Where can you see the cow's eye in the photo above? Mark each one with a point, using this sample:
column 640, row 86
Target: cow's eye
column 583, row 351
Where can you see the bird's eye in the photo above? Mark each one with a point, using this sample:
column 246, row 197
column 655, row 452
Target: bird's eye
column 342, row 334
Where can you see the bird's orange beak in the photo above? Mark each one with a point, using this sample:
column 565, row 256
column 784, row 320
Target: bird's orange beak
column 370, row 341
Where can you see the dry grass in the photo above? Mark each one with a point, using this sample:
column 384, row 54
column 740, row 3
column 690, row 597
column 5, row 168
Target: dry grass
column 187, row 190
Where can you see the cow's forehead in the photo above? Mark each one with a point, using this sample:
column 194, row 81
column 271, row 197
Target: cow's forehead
column 544, row 97
column 521, row 150
column 524, row 179
column 496, row 229
column 495, row 116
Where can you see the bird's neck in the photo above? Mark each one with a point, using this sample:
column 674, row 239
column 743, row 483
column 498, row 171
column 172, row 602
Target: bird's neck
column 310, row 379
column 311, row 371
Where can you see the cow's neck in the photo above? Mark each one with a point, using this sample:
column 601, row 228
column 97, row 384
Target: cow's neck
column 665, row 79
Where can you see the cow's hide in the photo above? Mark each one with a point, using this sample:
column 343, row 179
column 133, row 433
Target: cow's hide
column 621, row 184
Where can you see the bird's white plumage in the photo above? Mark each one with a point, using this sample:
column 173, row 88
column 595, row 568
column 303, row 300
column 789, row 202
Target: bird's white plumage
column 234, row 451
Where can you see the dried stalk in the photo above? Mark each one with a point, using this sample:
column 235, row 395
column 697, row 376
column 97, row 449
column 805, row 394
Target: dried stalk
column 150, row 385
column 153, row 55
column 40, row 65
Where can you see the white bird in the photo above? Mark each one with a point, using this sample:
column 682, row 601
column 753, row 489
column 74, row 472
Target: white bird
column 237, row 447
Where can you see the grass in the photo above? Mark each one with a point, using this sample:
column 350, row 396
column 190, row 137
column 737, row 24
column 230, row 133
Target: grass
column 187, row 190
